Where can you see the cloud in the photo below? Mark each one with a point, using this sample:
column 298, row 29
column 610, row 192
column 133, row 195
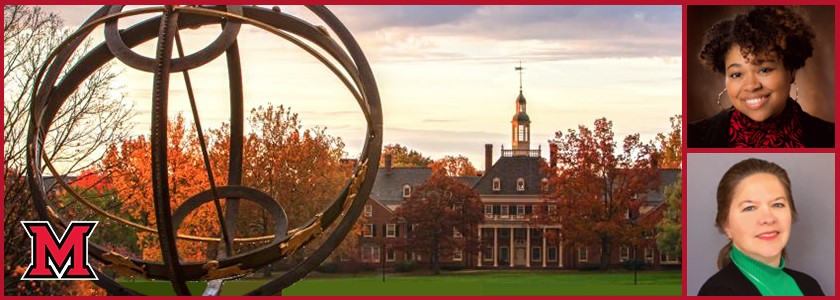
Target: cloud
column 491, row 32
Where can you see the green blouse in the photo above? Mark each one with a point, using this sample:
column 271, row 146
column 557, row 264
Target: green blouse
column 769, row 280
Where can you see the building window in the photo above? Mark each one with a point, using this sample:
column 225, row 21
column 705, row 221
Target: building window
column 520, row 184
column 488, row 209
column 583, row 254
column 521, row 133
column 497, row 184
column 368, row 210
column 667, row 259
column 406, row 191
column 552, row 253
column 520, row 209
column 552, row 208
column 488, row 253
column 505, row 210
column 370, row 253
column 368, row 230
column 458, row 255
column 536, row 253
column 390, row 255
column 526, row 133
column 455, row 233
column 390, row 230
column 503, row 254
column 624, row 253
column 544, row 184
column 648, row 254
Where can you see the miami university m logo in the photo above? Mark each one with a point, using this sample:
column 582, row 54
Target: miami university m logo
column 59, row 259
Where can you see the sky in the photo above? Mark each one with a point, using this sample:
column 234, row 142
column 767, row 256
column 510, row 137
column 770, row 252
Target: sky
column 446, row 73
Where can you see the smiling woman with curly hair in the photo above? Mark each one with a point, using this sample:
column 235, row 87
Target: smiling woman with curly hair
column 758, row 53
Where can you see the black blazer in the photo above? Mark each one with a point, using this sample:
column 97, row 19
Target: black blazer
column 729, row 281
column 713, row 132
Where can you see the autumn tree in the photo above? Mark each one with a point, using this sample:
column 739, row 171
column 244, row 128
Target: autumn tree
column 302, row 169
column 129, row 168
column 403, row 157
column 442, row 213
column 598, row 188
column 454, row 166
column 89, row 119
column 669, row 229
column 669, row 152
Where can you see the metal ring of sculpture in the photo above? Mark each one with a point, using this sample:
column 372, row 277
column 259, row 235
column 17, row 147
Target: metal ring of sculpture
column 349, row 65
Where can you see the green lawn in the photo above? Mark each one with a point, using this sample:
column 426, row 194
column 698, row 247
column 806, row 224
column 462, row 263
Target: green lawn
column 459, row 284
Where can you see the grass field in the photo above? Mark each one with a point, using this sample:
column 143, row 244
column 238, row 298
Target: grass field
column 464, row 283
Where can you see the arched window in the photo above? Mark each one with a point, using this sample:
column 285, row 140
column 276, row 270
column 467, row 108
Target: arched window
column 520, row 184
column 406, row 191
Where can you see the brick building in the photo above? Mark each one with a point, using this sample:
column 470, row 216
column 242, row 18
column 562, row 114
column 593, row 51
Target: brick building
column 510, row 192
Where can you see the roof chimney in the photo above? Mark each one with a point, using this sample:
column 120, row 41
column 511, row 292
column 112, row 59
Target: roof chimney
column 388, row 163
column 552, row 155
column 488, row 157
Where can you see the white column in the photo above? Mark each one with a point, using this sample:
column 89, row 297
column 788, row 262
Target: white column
column 560, row 248
column 543, row 248
column 480, row 256
column 510, row 250
column 528, row 246
column 495, row 246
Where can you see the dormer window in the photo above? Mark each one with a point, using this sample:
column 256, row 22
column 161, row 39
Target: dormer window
column 544, row 184
column 520, row 184
column 497, row 184
column 406, row 191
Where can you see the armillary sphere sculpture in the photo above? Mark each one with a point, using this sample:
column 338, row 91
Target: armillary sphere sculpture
column 342, row 56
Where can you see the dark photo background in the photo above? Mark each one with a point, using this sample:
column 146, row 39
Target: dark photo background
column 815, row 80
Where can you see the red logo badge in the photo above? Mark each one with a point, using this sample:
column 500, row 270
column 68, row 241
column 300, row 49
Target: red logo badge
column 59, row 259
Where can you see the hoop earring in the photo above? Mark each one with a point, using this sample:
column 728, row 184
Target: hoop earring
column 718, row 99
column 796, row 89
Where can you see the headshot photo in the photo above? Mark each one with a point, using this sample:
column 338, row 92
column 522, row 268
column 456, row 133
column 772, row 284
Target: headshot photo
column 760, row 76
column 760, row 224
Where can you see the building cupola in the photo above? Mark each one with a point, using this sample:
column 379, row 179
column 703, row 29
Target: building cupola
column 521, row 124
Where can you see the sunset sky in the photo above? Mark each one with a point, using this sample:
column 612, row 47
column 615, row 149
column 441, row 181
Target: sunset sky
column 446, row 73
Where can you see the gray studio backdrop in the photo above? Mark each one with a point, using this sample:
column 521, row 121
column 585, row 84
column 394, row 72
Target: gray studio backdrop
column 811, row 245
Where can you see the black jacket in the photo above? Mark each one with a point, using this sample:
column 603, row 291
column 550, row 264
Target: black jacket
column 713, row 132
column 729, row 281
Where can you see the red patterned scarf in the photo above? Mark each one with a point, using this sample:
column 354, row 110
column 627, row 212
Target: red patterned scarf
column 782, row 131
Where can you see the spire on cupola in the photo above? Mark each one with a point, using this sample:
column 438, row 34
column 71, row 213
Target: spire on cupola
column 521, row 124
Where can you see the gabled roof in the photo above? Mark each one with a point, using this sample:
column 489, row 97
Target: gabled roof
column 387, row 189
column 508, row 170
column 667, row 177
column 469, row 181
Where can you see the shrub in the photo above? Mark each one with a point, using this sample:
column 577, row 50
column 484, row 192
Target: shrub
column 405, row 266
column 635, row 264
column 589, row 267
column 367, row 267
column 452, row 267
column 330, row 267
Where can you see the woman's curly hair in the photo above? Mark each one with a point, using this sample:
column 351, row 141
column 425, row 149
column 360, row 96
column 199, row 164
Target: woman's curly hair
column 763, row 30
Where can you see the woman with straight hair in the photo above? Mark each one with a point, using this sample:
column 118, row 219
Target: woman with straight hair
column 755, row 209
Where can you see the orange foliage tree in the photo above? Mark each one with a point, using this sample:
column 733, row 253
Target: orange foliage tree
column 129, row 167
column 454, row 166
column 402, row 156
column 442, row 213
column 670, row 145
column 597, row 190
column 300, row 168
